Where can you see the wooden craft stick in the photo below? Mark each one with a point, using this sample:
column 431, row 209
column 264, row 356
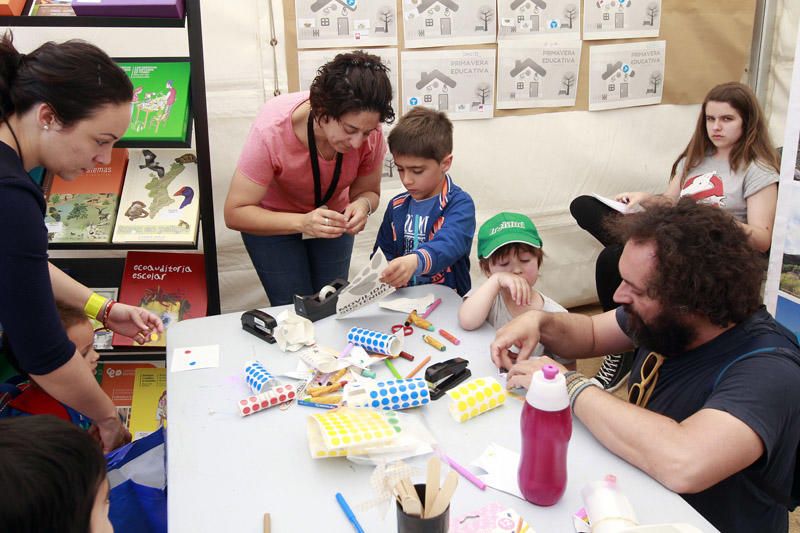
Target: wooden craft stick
column 444, row 496
column 267, row 524
column 432, row 484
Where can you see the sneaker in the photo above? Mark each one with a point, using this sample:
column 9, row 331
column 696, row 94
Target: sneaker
column 614, row 370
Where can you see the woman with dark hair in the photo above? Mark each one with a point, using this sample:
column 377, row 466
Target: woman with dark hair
column 52, row 478
column 62, row 107
column 309, row 176
column 729, row 162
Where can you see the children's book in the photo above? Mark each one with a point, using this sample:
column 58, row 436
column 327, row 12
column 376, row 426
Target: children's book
column 83, row 209
column 116, row 380
column 160, row 106
column 129, row 8
column 51, row 8
column 620, row 207
column 160, row 199
column 171, row 285
column 102, row 336
column 149, row 403
column 11, row 7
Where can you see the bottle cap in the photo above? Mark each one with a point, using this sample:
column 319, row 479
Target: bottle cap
column 548, row 390
column 549, row 371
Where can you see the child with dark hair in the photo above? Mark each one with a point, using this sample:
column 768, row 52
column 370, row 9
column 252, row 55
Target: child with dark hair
column 309, row 176
column 52, row 478
column 30, row 399
column 510, row 255
column 427, row 231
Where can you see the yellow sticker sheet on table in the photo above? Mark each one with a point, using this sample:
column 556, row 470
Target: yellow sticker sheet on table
column 338, row 432
column 475, row 397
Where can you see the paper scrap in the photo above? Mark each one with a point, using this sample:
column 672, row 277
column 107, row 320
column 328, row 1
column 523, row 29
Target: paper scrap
column 501, row 465
column 293, row 331
column 194, row 357
column 406, row 305
column 365, row 288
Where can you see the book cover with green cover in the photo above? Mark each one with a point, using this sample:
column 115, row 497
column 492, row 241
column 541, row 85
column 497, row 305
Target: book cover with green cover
column 160, row 106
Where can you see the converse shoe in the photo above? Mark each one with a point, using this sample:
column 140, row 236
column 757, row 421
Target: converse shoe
column 614, row 370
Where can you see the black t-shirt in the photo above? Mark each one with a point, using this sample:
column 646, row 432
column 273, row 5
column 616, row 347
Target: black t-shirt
column 27, row 306
column 763, row 391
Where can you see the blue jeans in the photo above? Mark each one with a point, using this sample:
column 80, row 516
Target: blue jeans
column 288, row 265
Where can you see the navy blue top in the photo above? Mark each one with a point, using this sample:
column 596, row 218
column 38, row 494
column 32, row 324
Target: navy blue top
column 27, row 306
column 762, row 391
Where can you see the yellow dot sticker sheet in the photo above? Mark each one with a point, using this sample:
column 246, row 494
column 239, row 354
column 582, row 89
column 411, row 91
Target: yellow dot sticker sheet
column 338, row 432
column 475, row 397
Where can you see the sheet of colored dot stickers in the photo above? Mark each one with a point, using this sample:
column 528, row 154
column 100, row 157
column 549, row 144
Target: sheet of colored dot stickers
column 475, row 397
column 346, row 431
column 493, row 518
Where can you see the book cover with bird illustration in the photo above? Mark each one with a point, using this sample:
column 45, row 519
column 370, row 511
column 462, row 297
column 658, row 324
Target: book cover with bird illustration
column 170, row 284
column 82, row 210
column 160, row 200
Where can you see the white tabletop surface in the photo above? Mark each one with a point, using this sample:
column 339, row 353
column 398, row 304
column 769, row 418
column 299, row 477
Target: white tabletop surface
column 226, row 471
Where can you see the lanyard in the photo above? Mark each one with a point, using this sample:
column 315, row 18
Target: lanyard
column 312, row 150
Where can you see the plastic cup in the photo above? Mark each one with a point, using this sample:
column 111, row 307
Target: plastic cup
column 414, row 524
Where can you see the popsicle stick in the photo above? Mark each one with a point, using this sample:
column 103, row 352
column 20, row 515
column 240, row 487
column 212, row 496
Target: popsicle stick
column 445, row 493
column 432, row 484
column 267, row 523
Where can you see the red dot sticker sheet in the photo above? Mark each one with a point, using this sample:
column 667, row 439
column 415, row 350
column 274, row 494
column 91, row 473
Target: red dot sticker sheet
column 271, row 397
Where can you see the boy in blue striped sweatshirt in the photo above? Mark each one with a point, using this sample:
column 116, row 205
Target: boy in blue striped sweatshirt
column 426, row 233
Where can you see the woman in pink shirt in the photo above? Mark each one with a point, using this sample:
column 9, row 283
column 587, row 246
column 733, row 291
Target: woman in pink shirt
column 309, row 176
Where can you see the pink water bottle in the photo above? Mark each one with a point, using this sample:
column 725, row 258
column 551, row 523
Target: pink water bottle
column 546, row 425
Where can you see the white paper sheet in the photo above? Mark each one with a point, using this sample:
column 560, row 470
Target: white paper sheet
column 501, row 466
column 406, row 305
column 365, row 288
column 194, row 357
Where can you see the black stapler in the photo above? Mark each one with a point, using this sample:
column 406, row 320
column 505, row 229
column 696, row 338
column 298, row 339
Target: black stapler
column 260, row 324
column 443, row 376
column 317, row 306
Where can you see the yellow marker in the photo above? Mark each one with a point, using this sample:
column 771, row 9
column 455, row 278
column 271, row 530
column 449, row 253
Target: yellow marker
column 433, row 342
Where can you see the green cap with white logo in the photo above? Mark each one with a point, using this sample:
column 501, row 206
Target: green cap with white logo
column 506, row 228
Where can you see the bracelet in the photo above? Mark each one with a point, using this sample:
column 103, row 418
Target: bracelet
column 93, row 305
column 107, row 311
column 576, row 384
column 369, row 205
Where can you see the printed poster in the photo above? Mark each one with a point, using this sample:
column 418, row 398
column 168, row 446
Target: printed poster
column 782, row 294
column 525, row 19
column 345, row 23
column 308, row 61
column 537, row 74
column 428, row 23
column 459, row 82
column 621, row 19
column 626, row 75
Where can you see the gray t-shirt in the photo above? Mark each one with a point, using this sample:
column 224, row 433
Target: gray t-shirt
column 499, row 316
column 729, row 190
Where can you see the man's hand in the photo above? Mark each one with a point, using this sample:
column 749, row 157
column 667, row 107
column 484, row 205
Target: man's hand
column 519, row 289
column 522, row 332
column 520, row 374
column 400, row 270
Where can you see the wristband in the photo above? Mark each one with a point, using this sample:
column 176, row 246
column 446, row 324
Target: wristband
column 107, row 311
column 576, row 384
column 93, row 305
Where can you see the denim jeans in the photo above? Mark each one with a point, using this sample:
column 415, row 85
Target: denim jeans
column 288, row 265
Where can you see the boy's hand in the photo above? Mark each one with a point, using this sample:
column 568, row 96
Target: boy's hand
column 400, row 270
column 517, row 287
column 356, row 215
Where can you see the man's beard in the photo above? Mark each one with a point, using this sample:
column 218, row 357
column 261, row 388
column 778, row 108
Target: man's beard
column 667, row 334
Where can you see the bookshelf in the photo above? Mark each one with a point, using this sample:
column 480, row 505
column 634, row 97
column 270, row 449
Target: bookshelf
column 96, row 270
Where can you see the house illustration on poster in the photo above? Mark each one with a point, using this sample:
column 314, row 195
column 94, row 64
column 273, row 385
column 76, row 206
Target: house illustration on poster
column 527, row 74
column 433, row 9
column 436, row 86
column 524, row 21
column 613, row 14
column 617, row 76
column 328, row 13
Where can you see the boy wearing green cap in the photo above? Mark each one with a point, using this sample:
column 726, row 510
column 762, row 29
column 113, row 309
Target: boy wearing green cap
column 510, row 255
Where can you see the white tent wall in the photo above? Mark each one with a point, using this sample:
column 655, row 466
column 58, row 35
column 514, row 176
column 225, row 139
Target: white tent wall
column 533, row 164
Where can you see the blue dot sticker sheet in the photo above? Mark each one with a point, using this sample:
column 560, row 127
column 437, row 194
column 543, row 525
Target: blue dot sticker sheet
column 376, row 341
column 257, row 376
column 393, row 394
